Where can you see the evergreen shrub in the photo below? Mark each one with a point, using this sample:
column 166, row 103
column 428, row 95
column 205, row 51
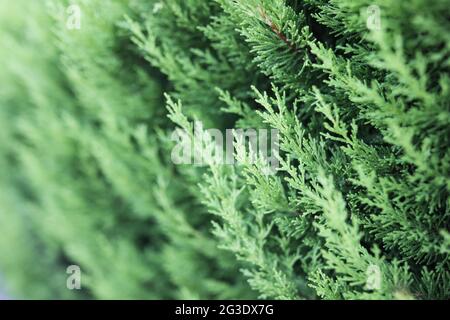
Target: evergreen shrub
column 358, row 91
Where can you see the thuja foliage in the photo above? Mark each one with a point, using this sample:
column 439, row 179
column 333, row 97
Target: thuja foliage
column 359, row 207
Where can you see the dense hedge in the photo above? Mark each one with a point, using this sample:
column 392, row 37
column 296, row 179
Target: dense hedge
column 361, row 104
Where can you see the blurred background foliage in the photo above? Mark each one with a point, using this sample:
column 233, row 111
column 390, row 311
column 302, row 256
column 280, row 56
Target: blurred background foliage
column 82, row 174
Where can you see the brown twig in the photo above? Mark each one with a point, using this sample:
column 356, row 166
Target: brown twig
column 275, row 29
